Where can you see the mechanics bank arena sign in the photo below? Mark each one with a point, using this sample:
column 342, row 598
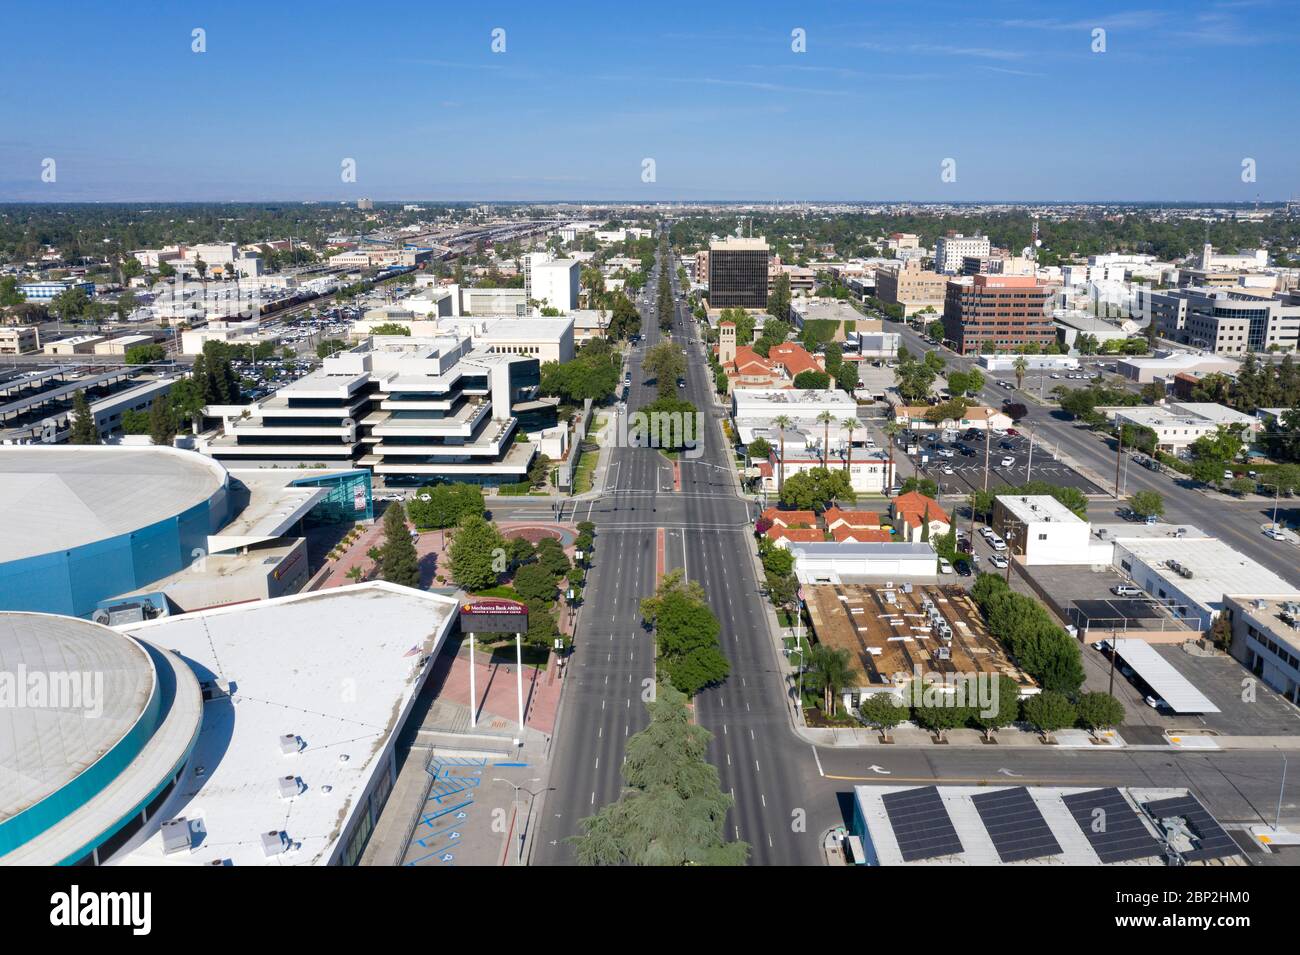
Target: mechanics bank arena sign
column 493, row 615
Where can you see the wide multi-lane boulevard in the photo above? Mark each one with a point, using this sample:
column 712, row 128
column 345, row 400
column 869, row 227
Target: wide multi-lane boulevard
column 787, row 791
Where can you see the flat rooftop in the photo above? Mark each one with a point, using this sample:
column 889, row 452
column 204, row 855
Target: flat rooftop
column 1037, row 508
column 889, row 631
column 1034, row 825
column 338, row 669
column 42, row 749
column 55, row 498
column 1216, row 569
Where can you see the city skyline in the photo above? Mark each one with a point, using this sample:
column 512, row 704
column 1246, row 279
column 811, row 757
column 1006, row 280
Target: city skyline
column 1014, row 106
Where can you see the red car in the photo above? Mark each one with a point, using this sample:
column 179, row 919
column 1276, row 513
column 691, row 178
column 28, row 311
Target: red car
column 1013, row 432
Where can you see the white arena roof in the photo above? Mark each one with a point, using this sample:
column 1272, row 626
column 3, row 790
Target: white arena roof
column 55, row 498
column 337, row 669
column 42, row 746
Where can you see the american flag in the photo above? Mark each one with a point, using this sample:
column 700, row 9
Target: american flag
column 413, row 652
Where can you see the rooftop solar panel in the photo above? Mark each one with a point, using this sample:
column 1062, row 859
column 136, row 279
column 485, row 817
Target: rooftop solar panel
column 921, row 824
column 1211, row 841
column 1115, row 831
column 1015, row 825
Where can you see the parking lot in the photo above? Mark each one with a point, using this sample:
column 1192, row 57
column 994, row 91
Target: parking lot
column 959, row 465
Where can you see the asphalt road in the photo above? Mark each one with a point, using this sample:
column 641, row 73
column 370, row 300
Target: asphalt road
column 613, row 658
column 1233, row 521
column 788, row 792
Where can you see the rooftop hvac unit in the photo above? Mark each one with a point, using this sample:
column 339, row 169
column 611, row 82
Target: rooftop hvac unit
column 274, row 842
column 290, row 743
column 943, row 653
column 290, row 786
column 907, row 588
column 176, row 835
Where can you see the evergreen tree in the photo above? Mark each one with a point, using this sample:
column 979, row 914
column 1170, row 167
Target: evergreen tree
column 162, row 423
column 398, row 561
column 674, row 811
column 83, row 421
column 474, row 551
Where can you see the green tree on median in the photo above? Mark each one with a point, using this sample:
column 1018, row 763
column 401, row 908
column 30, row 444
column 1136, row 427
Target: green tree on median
column 673, row 810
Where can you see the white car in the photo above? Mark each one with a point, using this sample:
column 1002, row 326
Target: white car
column 1008, row 462
column 997, row 543
column 998, row 561
column 1156, row 703
column 945, row 452
column 986, row 532
column 1276, row 535
column 945, row 566
column 947, row 469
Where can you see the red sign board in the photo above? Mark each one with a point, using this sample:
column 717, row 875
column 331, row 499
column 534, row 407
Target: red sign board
column 494, row 605
column 493, row 615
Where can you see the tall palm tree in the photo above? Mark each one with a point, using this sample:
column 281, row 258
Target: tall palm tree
column 826, row 418
column 850, row 425
column 1020, row 366
column 782, row 422
column 836, row 671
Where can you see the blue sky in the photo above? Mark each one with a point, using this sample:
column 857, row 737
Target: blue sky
column 712, row 92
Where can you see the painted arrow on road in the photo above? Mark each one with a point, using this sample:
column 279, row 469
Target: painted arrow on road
column 878, row 769
column 1007, row 772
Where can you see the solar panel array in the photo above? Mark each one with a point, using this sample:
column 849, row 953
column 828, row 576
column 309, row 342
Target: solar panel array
column 921, row 824
column 1016, row 826
column 1211, row 841
column 1116, row 833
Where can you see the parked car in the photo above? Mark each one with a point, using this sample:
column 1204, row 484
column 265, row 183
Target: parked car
column 944, row 566
column 1157, row 704
column 997, row 543
column 998, row 561
column 1008, row 462
column 963, row 568
column 1126, row 590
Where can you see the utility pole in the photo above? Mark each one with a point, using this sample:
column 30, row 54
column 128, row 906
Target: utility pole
column 1029, row 470
column 1119, row 456
column 988, row 439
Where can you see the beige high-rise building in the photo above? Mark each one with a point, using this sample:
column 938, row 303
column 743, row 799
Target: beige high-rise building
column 912, row 287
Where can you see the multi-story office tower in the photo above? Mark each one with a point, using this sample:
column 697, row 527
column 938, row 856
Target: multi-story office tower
column 997, row 312
column 949, row 250
column 738, row 273
column 910, row 286
column 409, row 409
column 1226, row 322
column 552, row 282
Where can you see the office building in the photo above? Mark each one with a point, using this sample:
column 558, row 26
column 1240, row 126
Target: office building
column 19, row 340
column 552, row 283
column 408, row 409
column 1039, row 529
column 997, row 313
column 1266, row 639
column 738, row 273
column 950, row 250
column 911, row 287
column 48, row 291
column 1226, row 321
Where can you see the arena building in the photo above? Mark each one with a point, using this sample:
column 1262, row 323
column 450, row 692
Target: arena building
column 257, row 734
column 88, row 523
